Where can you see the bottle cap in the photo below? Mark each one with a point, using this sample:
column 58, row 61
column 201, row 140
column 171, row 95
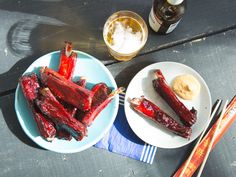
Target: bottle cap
column 175, row 2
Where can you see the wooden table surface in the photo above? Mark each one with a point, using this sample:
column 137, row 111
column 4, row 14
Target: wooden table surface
column 205, row 40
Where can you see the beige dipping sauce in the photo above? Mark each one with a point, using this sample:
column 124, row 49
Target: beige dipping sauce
column 186, row 86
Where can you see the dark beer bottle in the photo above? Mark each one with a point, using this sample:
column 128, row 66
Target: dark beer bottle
column 166, row 14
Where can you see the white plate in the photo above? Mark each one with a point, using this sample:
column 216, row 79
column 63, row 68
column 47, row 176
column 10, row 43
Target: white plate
column 149, row 131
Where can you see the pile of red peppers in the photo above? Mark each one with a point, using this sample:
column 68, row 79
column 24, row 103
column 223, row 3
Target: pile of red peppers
column 63, row 108
column 154, row 113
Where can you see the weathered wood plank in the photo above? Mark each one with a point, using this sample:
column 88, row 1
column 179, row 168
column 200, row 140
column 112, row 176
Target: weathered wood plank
column 33, row 28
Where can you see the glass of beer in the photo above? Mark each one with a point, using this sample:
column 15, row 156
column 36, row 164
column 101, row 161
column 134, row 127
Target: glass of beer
column 125, row 33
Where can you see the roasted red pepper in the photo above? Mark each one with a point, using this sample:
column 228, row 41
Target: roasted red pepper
column 82, row 81
column 51, row 107
column 63, row 134
column 30, row 86
column 101, row 92
column 90, row 115
column 188, row 117
column 68, row 60
column 153, row 112
column 46, row 127
column 71, row 109
column 66, row 90
column 66, row 68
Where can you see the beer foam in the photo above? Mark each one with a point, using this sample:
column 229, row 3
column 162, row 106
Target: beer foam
column 125, row 40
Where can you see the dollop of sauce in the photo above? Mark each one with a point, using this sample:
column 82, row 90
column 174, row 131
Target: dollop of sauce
column 186, row 86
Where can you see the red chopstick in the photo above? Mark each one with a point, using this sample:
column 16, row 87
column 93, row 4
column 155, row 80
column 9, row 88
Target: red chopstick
column 199, row 140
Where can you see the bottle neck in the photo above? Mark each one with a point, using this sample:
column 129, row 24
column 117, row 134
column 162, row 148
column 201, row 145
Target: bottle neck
column 175, row 2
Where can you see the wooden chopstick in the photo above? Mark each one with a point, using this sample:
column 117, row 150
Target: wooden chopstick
column 199, row 140
column 212, row 140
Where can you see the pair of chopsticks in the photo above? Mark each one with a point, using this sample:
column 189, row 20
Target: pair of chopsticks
column 211, row 142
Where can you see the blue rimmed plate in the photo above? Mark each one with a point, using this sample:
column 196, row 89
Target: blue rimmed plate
column 95, row 72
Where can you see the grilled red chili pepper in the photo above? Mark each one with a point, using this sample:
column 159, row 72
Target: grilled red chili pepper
column 68, row 60
column 153, row 112
column 63, row 134
column 188, row 117
column 71, row 109
column 101, row 92
column 30, row 86
column 46, row 127
column 66, row 90
column 89, row 116
column 51, row 107
column 82, row 81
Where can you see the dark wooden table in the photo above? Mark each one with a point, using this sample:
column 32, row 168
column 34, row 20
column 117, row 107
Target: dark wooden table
column 204, row 40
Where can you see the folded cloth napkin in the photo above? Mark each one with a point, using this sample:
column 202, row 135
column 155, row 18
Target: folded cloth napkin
column 122, row 140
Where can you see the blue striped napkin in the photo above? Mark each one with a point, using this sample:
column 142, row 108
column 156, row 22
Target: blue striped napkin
column 122, row 140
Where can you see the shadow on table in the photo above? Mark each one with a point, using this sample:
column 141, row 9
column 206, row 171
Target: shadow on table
column 29, row 39
column 46, row 30
column 30, row 36
column 125, row 76
column 8, row 111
